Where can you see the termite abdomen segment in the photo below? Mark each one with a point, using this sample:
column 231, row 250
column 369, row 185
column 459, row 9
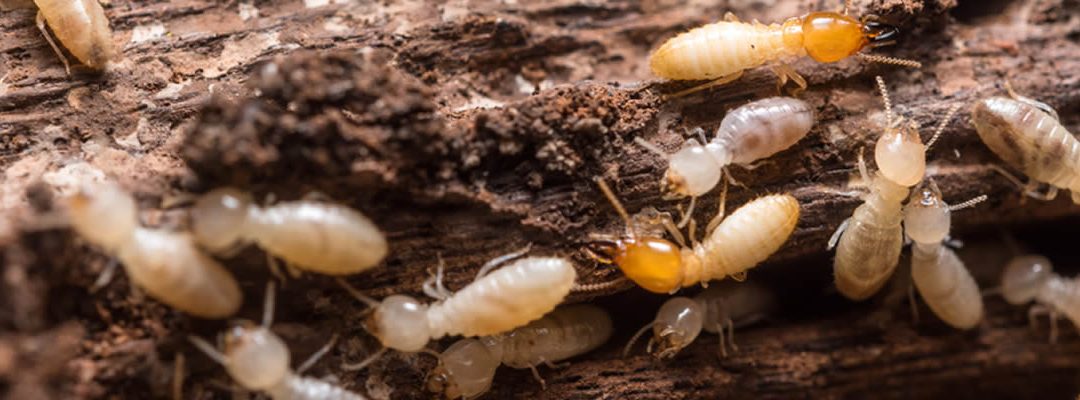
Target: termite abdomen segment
column 765, row 127
column 1024, row 278
column 82, row 28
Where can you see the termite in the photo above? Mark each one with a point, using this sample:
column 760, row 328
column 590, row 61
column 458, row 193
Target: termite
column 168, row 265
column 495, row 302
column 748, row 133
column 721, row 51
column 258, row 360
column 731, row 247
column 940, row 276
column 1028, row 135
column 81, row 27
column 1031, row 278
column 868, row 243
column 322, row 237
column 681, row 319
column 467, row 367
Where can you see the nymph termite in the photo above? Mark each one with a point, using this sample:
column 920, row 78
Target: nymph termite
column 467, row 367
column 81, row 27
column 868, row 243
column 323, row 237
column 748, row 133
column 731, row 247
column 721, row 51
column 1028, row 135
column 495, row 302
column 940, row 276
column 168, row 265
column 258, row 360
column 718, row 307
column 1031, row 278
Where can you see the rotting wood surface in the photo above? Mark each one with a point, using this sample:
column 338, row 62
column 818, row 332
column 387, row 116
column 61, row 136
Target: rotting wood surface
column 468, row 129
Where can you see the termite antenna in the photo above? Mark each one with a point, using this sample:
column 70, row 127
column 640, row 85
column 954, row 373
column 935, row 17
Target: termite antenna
column 596, row 287
column 889, row 60
column 652, row 148
column 268, row 305
column 497, row 261
column 885, row 99
column 370, row 302
column 615, row 203
column 969, row 203
column 363, row 364
column 317, row 355
column 941, row 125
column 207, row 348
column 634, row 339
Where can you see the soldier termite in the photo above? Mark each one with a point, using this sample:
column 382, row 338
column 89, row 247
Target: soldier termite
column 721, row 51
column 748, row 133
column 495, row 302
column 868, row 243
column 168, row 265
column 1028, row 135
column 731, row 247
column 323, row 237
column 715, row 309
column 1031, row 278
column 467, row 367
column 940, row 276
column 258, row 360
column 81, row 27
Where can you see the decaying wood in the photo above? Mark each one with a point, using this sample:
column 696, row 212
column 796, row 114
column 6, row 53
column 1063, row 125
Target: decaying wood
column 467, row 129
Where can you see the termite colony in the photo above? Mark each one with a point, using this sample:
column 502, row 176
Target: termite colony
column 512, row 313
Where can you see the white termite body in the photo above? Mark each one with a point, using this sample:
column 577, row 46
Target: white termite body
column 748, row 133
column 1031, row 278
column 467, row 368
column 321, row 237
column 168, row 265
column 1028, row 136
column 81, row 27
column 940, row 276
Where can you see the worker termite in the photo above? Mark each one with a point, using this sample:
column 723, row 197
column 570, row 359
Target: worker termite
column 1031, row 278
column 681, row 319
column 258, row 360
column 81, row 27
column 322, row 237
column 731, row 247
column 721, row 51
column 1028, row 135
column 467, row 367
column 168, row 265
column 868, row 243
column 748, row 133
column 940, row 276
column 495, row 302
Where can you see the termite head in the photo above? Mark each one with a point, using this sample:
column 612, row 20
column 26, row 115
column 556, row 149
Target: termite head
column 900, row 154
column 465, row 370
column 254, row 356
column 104, row 214
column 693, row 171
column 831, row 37
column 653, row 263
column 677, row 324
column 218, row 218
column 400, row 323
column 926, row 217
column 1024, row 278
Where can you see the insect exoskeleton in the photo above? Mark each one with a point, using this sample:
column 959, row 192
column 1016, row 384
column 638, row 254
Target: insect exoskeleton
column 731, row 247
column 1028, row 135
column 748, row 133
column 940, row 276
column 168, row 265
column 722, row 306
column 467, row 367
column 496, row 302
column 81, row 27
column 258, row 360
column 721, row 51
column 1031, row 278
column 322, row 237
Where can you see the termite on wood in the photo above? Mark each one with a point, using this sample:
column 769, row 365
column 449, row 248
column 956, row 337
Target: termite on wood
column 1028, row 135
column 495, row 302
column 1031, row 278
column 681, row 319
column 721, row 51
column 322, row 237
column 467, row 368
column 940, row 276
column 748, row 133
column 868, row 243
column 81, row 27
column 731, row 247
column 258, row 360
column 168, row 265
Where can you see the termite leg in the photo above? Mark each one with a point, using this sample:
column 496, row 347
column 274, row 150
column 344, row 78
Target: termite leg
column 48, row 38
column 1053, row 326
column 433, row 285
column 785, row 72
column 554, row 365
column 275, row 268
column 731, row 17
column 839, row 232
column 495, row 262
column 716, row 82
column 536, row 374
column 1030, row 101
column 637, row 335
column 1029, row 189
column 913, row 304
column 179, row 367
column 365, row 362
column 731, row 335
column 715, row 221
column 106, row 276
column 317, row 355
column 723, row 344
